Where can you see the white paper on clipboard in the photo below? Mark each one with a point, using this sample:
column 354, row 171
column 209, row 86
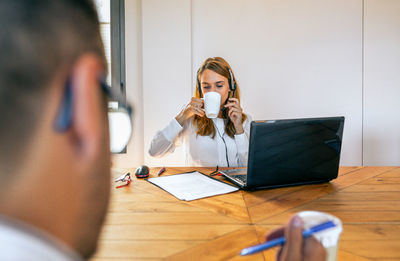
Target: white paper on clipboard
column 191, row 186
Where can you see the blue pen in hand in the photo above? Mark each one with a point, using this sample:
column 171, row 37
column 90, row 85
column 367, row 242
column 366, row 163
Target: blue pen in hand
column 282, row 240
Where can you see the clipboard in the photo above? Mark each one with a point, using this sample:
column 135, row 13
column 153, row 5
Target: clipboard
column 192, row 185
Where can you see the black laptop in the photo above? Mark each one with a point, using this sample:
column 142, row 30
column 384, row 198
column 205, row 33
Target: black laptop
column 290, row 152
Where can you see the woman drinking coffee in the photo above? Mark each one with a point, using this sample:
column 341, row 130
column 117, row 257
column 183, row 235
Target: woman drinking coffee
column 212, row 126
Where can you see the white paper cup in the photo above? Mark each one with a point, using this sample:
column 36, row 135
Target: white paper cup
column 212, row 102
column 329, row 238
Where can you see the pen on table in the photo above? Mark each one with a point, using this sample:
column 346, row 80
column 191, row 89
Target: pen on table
column 282, row 240
column 161, row 171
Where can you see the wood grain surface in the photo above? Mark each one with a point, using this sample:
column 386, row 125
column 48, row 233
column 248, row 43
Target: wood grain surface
column 147, row 223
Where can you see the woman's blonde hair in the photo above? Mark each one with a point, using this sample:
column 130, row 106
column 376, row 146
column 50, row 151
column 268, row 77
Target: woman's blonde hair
column 205, row 126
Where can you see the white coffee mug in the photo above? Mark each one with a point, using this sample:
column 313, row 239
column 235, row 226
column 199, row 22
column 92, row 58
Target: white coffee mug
column 212, row 102
column 329, row 238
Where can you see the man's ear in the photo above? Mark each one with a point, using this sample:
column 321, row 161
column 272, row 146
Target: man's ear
column 88, row 117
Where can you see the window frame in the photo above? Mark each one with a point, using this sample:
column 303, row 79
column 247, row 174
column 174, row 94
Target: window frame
column 117, row 45
column 117, row 39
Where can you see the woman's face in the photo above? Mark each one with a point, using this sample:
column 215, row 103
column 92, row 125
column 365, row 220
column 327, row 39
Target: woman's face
column 211, row 81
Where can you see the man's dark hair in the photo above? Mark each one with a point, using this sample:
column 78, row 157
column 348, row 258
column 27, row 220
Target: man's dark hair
column 38, row 39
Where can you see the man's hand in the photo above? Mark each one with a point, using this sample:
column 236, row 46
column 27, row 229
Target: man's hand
column 296, row 248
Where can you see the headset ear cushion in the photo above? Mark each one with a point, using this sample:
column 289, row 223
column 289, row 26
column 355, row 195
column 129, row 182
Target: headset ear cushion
column 198, row 82
column 199, row 87
column 232, row 84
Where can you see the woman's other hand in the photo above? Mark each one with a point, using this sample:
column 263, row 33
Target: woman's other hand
column 235, row 114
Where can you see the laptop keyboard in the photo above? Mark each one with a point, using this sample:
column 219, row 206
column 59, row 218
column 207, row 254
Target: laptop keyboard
column 243, row 178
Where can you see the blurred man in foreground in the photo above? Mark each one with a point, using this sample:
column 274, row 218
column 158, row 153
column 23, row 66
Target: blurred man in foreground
column 54, row 177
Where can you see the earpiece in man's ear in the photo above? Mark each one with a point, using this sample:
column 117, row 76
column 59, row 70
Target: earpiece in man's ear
column 64, row 116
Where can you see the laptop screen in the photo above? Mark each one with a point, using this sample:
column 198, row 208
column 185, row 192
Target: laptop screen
column 294, row 151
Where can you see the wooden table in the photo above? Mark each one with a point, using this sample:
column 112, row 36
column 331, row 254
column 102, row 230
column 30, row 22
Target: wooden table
column 146, row 223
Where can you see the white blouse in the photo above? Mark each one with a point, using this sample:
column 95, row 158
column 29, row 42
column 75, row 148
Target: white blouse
column 222, row 150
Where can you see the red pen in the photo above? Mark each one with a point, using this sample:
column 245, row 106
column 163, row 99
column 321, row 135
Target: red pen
column 161, row 171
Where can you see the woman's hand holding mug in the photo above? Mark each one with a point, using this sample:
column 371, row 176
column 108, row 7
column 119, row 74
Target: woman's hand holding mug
column 195, row 107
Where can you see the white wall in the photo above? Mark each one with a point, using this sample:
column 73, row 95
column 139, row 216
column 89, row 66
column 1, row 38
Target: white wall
column 291, row 58
column 382, row 82
column 166, row 68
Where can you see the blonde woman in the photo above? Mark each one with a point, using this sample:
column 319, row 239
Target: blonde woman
column 222, row 141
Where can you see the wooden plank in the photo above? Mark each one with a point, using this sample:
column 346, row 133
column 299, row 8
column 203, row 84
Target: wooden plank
column 345, row 216
column 367, row 216
column 226, row 208
column 235, row 198
column 258, row 197
column 392, row 173
column 249, row 258
column 123, row 259
column 308, row 193
column 371, row 231
column 382, row 180
column 347, row 170
column 288, row 201
column 303, row 196
column 141, row 249
column 374, row 188
column 347, row 256
column 169, row 218
column 255, row 198
column 153, row 207
column 386, row 259
column 352, row 205
column 362, row 196
column 358, row 176
column 226, row 247
column 373, row 248
column 136, row 195
column 167, row 232
column 390, row 177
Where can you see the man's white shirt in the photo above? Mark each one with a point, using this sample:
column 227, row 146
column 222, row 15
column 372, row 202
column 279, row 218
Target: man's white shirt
column 20, row 241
